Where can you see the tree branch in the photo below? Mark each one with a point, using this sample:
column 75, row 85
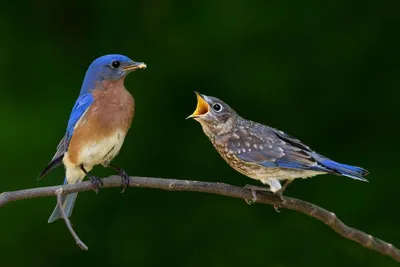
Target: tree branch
column 78, row 241
column 327, row 217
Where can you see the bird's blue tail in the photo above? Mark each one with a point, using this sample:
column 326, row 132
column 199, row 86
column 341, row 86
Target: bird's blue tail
column 345, row 170
column 68, row 202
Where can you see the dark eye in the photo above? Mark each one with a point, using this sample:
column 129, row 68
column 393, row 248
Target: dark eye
column 217, row 107
column 115, row 64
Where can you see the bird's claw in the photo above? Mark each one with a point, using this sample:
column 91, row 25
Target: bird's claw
column 96, row 183
column 254, row 189
column 253, row 199
column 283, row 201
column 124, row 180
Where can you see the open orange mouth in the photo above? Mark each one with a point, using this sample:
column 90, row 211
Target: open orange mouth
column 201, row 108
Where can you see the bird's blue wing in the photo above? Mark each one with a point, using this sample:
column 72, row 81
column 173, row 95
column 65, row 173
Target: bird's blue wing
column 282, row 158
column 81, row 106
column 265, row 146
column 280, row 150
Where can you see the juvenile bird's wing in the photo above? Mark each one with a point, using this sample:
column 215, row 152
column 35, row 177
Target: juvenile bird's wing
column 273, row 148
column 277, row 149
column 81, row 106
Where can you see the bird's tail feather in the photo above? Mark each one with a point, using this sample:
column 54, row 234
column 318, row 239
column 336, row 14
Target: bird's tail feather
column 68, row 202
column 54, row 163
column 346, row 170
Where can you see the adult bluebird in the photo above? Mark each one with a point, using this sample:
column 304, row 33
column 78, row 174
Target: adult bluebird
column 97, row 126
column 261, row 152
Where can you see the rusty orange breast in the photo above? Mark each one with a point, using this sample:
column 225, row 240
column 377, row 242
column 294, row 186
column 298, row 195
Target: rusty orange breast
column 112, row 110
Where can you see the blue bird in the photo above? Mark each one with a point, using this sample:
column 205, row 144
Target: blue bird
column 97, row 126
column 262, row 152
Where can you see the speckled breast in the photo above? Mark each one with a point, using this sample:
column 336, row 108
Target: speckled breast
column 248, row 169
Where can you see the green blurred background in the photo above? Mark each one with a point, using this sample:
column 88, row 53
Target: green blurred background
column 326, row 72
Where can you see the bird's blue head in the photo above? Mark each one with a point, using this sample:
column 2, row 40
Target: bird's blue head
column 109, row 67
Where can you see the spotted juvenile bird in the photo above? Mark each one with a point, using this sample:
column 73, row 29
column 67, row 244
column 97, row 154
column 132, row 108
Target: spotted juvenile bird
column 261, row 152
column 98, row 124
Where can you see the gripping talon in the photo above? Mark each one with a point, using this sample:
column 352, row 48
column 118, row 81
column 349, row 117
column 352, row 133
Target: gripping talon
column 283, row 201
column 96, row 183
column 277, row 209
column 254, row 189
column 253, row 199
column 124, row 176
column 124, row 180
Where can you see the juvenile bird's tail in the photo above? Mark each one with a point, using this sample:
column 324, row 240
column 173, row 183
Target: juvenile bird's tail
column 345, row 170
column 68, row 202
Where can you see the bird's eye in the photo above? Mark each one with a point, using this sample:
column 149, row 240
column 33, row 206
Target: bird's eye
column 217, row 107
column 115, row 64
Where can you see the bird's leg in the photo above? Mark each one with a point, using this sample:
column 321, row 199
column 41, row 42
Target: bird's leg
column 124, row 176
column 254, row 189
column 280, row 193
column 96, row 182
column 287, row 183
column 277, row 189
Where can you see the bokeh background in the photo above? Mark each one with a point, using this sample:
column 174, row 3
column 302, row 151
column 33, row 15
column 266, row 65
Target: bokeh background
column 326, row 72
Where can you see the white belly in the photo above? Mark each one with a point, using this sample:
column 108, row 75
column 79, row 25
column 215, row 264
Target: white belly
column 93, row 153
column 273, row 178
column 285, row 174
column 100, row 151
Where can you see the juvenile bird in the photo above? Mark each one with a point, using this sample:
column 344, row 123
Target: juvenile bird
column 97, row 126
column 261, row 152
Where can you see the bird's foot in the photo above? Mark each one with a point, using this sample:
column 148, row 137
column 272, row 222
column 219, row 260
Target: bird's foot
column 254, row 189
column 283, row 200
column 277, row 206
column 278, row 190
column 96, row 183
column 124, row 180
column 124, row 176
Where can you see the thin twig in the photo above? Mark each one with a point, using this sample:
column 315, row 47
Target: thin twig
column 310, row 209
column 59, row 193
